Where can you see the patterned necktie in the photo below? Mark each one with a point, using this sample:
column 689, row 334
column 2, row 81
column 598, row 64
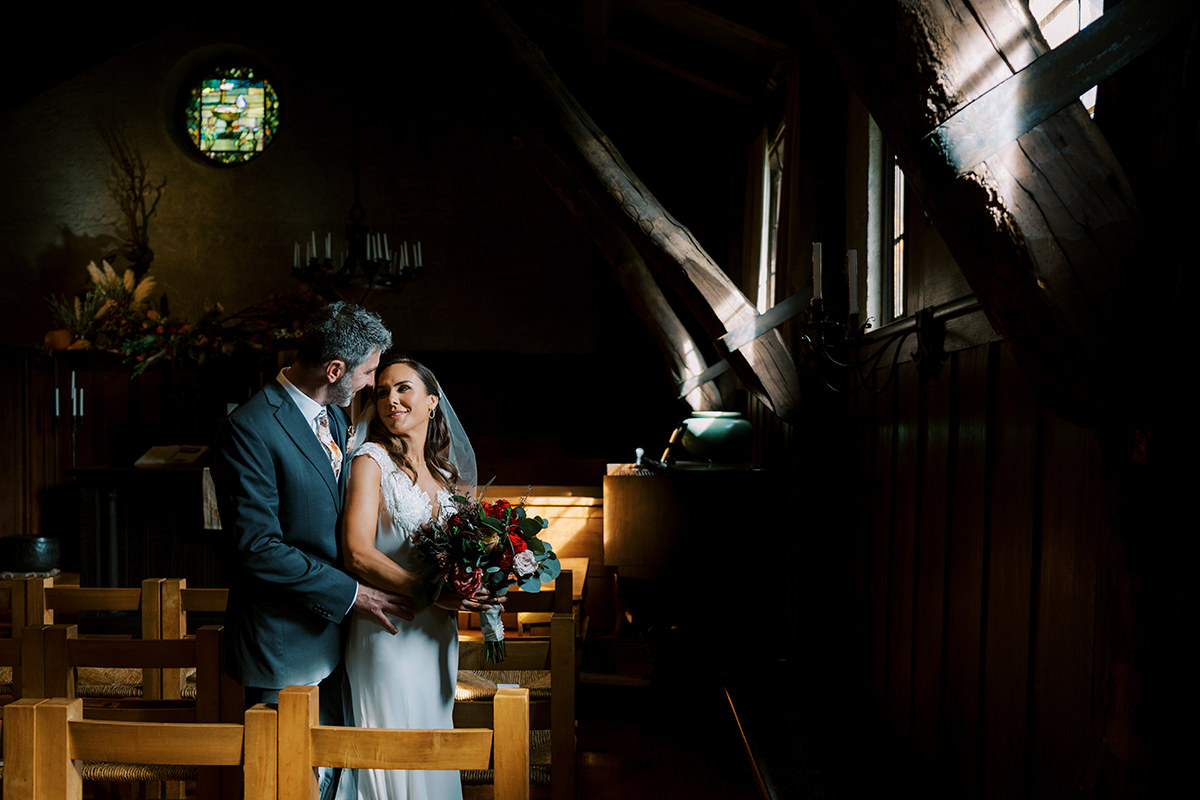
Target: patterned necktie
column 331, row 448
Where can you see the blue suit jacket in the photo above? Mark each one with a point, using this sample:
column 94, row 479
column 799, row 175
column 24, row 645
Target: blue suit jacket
column 280, row 506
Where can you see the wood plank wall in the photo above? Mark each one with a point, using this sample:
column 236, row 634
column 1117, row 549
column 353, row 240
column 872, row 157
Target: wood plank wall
column 978, row 575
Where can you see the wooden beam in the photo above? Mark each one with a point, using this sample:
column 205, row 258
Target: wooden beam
column 764, row 365
column 769, row 320
column 1054, row 81
column 682, row 354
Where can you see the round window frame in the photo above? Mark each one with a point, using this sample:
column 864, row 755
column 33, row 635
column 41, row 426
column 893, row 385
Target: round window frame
column 181, row 93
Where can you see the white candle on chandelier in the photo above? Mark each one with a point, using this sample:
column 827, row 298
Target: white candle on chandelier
column 296, row 255
column 314, row 244
column 419, row 262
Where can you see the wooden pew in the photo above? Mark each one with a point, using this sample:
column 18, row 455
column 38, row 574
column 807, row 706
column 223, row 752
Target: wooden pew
column 546, row 665
column 64, row 652
column 48, row 741
column 44, row 599
column 303, row 744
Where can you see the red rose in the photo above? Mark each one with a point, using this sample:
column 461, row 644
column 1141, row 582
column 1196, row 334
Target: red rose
column 496, row 509
column 518, row 543
column 466, row 583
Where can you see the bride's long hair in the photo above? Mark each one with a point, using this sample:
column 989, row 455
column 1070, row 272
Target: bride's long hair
column 437, row 437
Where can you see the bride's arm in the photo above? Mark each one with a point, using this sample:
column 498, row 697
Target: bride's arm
column 358, row 532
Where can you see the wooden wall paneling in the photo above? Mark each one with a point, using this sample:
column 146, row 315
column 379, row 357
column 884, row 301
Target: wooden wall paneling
column 878, row 573
column 965, row 563
column 866, row 516
column 1012, row 506
column 45, row 472
column 1064, row 647
column 901, row 562
column 28, row 461
column 11, row 454
column 929, row 611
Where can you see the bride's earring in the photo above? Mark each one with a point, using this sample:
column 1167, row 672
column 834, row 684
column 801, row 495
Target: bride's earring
column 431, row 412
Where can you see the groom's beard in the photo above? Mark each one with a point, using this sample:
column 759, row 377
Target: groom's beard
column 342, row 392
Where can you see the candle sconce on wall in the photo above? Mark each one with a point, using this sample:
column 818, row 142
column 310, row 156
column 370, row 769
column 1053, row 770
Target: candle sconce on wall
column 847, row 355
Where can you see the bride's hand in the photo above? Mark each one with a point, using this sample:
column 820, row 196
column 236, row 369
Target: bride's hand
column 456, row 602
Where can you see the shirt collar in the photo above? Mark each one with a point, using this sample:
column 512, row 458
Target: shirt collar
column 309, row 408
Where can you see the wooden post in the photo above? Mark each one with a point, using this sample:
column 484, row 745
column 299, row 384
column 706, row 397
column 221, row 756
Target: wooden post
column 58, row 774
column 562, row 695
column 298, row 713
column 511, row 744
column 20, row 749
column 59, row 674
column 262, row 746
column 155, row 683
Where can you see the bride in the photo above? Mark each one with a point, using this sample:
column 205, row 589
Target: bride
column 415, row 457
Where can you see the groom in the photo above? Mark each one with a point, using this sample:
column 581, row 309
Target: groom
column 280, row 474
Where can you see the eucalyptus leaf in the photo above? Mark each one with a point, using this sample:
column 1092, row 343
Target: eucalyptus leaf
column 550, row 569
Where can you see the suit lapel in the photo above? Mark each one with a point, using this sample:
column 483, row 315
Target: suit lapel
column 301, row 433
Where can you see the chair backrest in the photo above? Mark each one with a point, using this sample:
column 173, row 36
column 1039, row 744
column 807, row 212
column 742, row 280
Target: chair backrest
column 42, row 598
column 63, row 650
column 46, row 740
column 304, row 744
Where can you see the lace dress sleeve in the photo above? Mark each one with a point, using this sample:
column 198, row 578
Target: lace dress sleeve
column 405, row 502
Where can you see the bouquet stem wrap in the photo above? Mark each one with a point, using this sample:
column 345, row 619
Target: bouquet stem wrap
column 493, row 634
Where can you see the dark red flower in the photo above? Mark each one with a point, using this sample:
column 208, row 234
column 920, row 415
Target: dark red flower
column 496, row 509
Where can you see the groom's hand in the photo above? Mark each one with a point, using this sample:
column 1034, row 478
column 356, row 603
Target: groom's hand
column 378, row 604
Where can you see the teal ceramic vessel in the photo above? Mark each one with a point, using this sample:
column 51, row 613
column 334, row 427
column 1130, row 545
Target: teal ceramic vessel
column 717, row 436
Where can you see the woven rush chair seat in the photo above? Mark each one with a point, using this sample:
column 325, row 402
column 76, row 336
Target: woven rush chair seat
column 129, row 773
column 114, row 683
column 539, row 764
column 482, row 684
column 108, row 682
column 6, row 680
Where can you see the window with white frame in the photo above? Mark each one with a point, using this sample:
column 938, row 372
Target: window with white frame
column 772, row 183
column 1059, row 20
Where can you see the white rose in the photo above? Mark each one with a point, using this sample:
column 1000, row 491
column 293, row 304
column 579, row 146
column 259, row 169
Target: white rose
column 525, row 563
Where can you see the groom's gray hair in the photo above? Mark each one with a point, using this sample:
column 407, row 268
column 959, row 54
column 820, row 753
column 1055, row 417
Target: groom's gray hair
column 342, row 331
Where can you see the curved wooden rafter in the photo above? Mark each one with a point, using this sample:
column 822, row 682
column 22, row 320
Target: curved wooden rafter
column 764, row 364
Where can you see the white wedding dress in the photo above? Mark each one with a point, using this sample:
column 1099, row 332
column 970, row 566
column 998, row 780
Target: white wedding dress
column 406, row 680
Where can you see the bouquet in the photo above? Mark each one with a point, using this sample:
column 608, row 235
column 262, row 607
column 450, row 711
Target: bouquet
column 487, row 546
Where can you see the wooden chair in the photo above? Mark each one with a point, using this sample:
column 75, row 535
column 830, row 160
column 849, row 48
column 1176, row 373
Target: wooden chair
column 303, row 744
column 48, row 741
column 546, row 666
column 45, row 602
column 64, row 652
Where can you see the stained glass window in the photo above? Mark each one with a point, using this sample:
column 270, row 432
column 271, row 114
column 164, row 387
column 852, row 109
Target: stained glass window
column 232, row 114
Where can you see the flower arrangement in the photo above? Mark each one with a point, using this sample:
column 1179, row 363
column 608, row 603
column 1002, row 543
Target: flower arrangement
column 487, row 546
